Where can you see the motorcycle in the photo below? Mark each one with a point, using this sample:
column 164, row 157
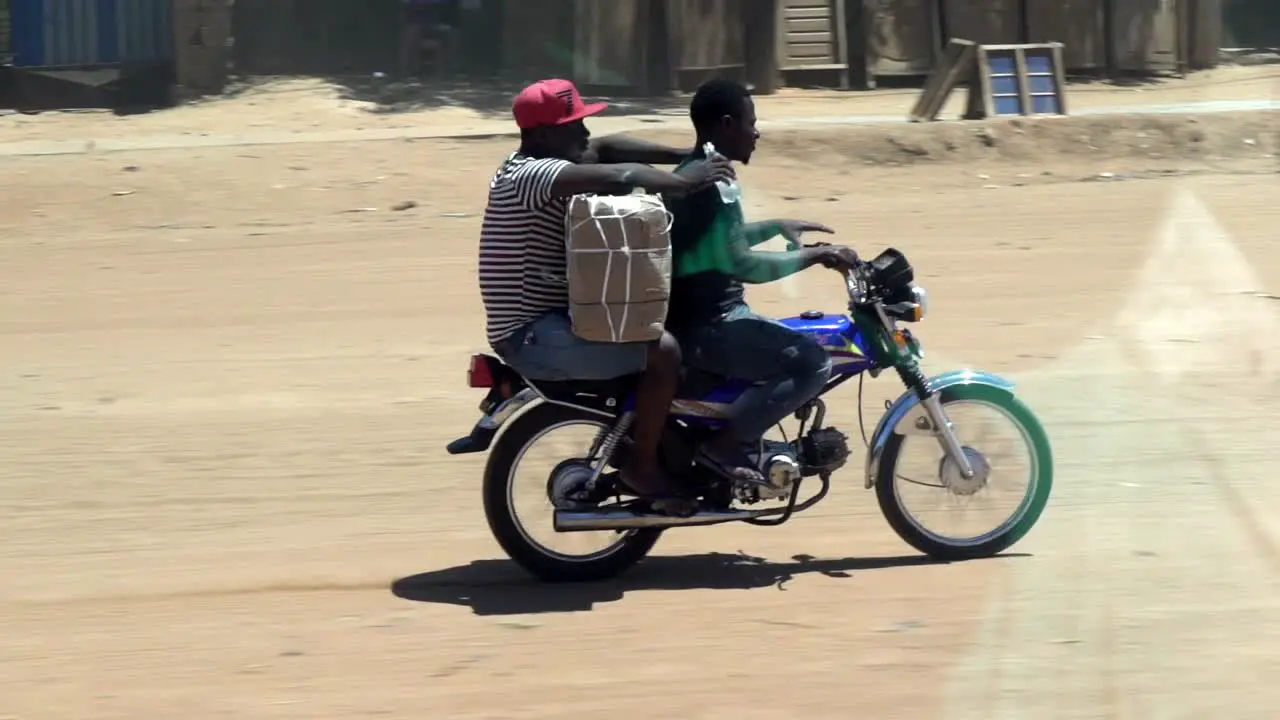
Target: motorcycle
column 586, row 497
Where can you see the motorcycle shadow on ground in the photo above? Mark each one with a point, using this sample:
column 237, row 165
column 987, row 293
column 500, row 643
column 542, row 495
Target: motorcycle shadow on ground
column 500, row 587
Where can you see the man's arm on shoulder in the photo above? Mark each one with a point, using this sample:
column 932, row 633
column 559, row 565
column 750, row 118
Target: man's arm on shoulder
column 614, row 177
column 538, row 181
column 621, row 148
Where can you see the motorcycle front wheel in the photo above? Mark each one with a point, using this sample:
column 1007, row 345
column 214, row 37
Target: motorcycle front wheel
column 916, row 464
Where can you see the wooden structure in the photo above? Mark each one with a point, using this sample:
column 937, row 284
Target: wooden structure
column 286, row 37
column 1080, row 25
column 811, row 38
column 1018, row 79
column 763, row 70
column 537, row 38
column 1204, row 23
column 986, row 22
column 906, row 37
column 625, row 47
column 610, row 49
column 705, row 39
column 957, row 66
column 1143, row 35
column 650, row 47
column 895, row 38
column 202, row 45
column 829, row 42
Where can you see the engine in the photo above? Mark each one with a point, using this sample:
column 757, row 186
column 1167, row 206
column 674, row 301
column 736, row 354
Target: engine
column 823, row 450
column 777, row 462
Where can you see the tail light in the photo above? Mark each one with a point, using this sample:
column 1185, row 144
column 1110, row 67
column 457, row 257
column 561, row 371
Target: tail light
column 479, row 375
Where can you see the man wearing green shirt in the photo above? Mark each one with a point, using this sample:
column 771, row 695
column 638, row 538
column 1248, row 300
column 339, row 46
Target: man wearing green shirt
column 712, row 246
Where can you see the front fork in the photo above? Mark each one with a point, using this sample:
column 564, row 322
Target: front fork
column 946, row 434
column 941, row 429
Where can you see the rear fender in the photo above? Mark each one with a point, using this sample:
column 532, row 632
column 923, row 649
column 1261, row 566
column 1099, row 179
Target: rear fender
column 487, row 428
column 904, row 415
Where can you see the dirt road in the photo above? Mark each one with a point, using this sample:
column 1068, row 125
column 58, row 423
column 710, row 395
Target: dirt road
column 229, row 375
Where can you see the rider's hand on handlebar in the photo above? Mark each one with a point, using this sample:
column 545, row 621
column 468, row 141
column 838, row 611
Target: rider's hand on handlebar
column 838, row 257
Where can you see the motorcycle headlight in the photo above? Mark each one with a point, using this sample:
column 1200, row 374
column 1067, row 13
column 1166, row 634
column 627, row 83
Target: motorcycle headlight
column 921, row 298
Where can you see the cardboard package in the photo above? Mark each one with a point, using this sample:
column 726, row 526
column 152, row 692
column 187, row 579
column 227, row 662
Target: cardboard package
column 619, row 267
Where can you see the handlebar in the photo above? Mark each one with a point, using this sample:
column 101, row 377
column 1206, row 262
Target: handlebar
column 856, row 284
column 856, row 287
column 854, row 278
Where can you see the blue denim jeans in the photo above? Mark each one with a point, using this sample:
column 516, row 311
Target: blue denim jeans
column 789, row 366
column 547, row 349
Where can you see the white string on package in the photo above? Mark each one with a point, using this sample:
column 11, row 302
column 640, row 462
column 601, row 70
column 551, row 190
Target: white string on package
column 619, row 210
column 608, row 264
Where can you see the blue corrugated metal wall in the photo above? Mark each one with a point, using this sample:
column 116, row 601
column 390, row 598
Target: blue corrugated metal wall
column 52, row 33
column 144, row 29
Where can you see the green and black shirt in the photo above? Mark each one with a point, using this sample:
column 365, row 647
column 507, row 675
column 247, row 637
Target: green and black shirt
column 712, row 256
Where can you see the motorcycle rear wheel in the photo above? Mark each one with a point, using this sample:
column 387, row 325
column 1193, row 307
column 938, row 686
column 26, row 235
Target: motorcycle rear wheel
column 505, row 524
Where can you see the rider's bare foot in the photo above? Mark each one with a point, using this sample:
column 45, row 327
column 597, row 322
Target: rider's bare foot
column 649, row 483
column 727, row 457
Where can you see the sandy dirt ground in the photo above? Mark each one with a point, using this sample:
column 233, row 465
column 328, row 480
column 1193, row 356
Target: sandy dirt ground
column 229, row 374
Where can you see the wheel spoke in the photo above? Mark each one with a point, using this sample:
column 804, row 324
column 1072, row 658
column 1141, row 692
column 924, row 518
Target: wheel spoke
column 946, row 509
column 554, row 463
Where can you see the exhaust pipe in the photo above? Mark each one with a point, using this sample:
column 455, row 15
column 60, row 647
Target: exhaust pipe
column 572, row 521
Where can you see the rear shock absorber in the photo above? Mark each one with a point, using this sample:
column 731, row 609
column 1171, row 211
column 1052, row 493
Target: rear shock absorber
column 606, row 443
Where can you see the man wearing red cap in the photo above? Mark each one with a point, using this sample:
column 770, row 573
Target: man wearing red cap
column 523, row 268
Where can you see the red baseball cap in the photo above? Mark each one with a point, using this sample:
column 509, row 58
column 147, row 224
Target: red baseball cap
column 551, row 102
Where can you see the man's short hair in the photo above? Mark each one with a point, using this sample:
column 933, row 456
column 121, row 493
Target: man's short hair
column 715, row 99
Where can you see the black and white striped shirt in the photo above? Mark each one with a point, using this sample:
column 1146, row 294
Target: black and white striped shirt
column 522, row 245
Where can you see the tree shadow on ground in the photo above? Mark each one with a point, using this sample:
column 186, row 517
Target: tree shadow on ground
column 499, row 587
column 392, row 95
